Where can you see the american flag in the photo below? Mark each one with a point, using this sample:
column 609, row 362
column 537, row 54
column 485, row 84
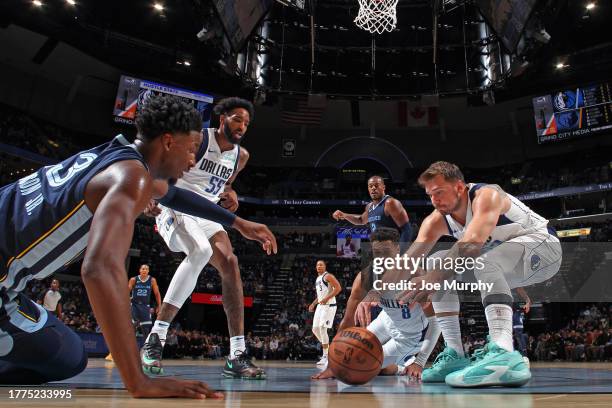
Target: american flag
column 303, row 110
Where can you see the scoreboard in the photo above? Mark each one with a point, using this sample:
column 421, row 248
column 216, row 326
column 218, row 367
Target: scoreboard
column 573, row 113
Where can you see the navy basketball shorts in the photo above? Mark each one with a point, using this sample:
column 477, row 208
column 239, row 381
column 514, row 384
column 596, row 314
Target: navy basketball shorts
column 141, row 314
column 35, row 347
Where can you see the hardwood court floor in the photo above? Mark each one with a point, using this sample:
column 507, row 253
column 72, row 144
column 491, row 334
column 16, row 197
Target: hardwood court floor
column 556, row 385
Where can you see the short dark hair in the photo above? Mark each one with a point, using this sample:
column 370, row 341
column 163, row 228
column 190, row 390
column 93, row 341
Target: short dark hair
column 166, row 114
column 320, row 260
column 226, row 105
column 385, row 234
column 376, row 176
column 449, row 171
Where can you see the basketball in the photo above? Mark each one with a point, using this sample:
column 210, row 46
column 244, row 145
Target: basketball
column 355, row 356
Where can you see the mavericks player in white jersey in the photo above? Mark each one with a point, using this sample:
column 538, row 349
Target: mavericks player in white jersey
column 406, row 333
column 218, row 162
column 327, row 287
column 516, row 248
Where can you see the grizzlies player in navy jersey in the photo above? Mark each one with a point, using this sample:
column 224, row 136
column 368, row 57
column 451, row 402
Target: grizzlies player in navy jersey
column 88, row 204
column 382, row 211
column 514, row 247
column 218, row 162
column 141, row 287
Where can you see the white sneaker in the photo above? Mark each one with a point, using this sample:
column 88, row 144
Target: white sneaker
column 322, row 362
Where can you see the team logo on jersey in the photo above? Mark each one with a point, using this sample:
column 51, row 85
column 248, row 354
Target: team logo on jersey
column 169, row 223
column 535, row 262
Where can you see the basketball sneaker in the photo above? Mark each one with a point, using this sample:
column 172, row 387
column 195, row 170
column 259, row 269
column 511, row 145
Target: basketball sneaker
column 151, row 355
column 241, row 366
column 492, row 366
column 447, row 362
column 323, row 361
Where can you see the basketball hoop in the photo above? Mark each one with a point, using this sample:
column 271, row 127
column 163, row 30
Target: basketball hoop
column 377, row 16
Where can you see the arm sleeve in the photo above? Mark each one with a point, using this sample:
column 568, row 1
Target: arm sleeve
column 191, row 203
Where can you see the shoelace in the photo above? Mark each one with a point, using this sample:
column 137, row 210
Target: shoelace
column 480, row 353
column 244, row 358
column 442, row 358
column 153, row 348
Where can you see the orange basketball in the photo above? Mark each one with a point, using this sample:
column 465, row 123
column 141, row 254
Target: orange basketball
column 355, row 356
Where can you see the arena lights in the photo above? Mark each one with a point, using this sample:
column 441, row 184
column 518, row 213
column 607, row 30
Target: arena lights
column 71, row 2
column 159, row 7
column 37, row 3
column 561, row 65
column 590, row 6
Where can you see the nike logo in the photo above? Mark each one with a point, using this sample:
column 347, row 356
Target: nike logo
column 212, row 151
column 230, row 365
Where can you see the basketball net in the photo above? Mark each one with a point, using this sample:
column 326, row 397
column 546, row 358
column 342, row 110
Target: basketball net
column 377, row 16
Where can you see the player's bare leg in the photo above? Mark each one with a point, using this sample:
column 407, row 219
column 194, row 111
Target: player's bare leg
column 238, row 364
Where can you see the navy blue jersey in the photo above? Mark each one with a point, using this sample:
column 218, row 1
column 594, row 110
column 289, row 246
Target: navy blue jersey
column 45, row 219
column 378, row 218
column 141, row 293
column 517, row 318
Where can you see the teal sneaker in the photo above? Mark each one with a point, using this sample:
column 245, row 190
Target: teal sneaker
column 447, row 362
column 492, row 366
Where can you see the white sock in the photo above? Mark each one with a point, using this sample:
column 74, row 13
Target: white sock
column 430, row 341
column 236, row 344
column 451, row 331
column 161, row 328
column 499, row 319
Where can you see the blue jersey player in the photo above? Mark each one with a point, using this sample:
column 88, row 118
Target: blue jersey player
column 88, row 204
column 141, row 288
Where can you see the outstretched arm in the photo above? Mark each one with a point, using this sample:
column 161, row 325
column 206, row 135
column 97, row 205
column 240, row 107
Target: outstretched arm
column 103, row 269
column 355, row 219
column 117, row 196
column 191, row 203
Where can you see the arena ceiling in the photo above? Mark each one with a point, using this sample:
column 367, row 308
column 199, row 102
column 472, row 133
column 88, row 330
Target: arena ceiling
column 141, row 40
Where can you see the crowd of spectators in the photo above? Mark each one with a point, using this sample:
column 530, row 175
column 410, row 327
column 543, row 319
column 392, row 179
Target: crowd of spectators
column 586, row 337
column 43, row 138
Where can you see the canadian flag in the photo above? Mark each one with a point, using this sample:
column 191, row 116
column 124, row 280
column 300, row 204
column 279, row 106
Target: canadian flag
column 414, row 114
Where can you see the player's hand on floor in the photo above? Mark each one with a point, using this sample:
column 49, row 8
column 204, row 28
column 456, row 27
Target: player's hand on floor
column 229, row 200
column 172, row 387
column 363, row 314
column 257, row 232
column 413, row 371
column 152, row 209
column 323, row 375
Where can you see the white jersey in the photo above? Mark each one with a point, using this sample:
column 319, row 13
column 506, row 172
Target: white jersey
column 322, row 287
column 406, row 320
column 213, row 168
column 51, row 300
column 518, row 221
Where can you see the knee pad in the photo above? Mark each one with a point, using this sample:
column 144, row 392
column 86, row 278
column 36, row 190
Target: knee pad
column 186, row 276
column 445, row 302
column 324, row 335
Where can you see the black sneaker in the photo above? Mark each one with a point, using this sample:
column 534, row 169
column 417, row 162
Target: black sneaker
column 242, row 367
column 151, row 355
